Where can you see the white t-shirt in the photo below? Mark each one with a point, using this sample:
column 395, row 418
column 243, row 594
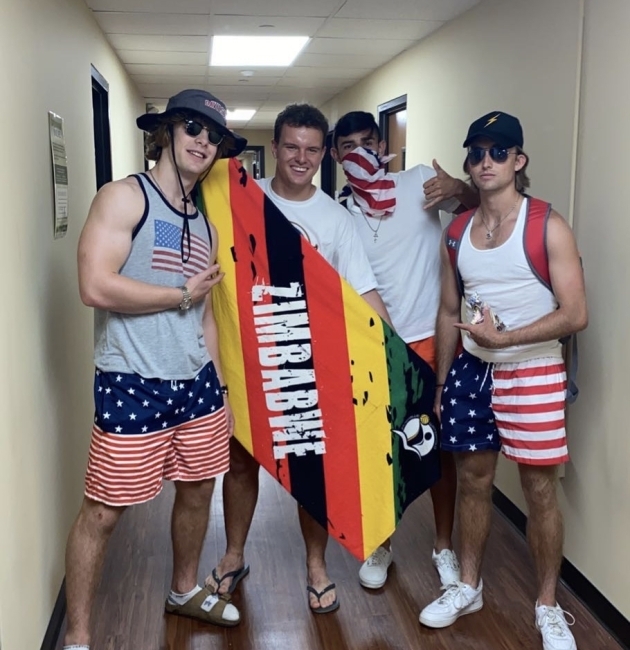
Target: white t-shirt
column 330, row 229
column 405, row 256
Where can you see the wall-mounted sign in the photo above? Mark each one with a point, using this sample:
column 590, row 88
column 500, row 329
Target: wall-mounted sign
column 60, row 174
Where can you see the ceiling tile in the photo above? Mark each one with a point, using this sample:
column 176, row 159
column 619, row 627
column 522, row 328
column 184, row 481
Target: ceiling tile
column 317, row 82
column 139, row 23
column 356, row 46
column 152, row 6
column 319, row 8
column 164, row 58
column 157, row 43
column 168, row 70
column 323, row 72
column 404, row 30
column 368, row 60
column 250, row 26
column 405, row 9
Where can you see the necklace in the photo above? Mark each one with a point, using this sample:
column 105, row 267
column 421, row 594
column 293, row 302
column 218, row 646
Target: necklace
column 374, row 230
column 155, row 180
column 490, row 231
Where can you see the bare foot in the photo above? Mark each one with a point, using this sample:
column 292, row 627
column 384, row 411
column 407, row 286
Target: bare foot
column 318, row 579
column 227, row 564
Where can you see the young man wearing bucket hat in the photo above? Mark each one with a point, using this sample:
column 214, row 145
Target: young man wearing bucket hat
column 514, row 260
column 146, row 264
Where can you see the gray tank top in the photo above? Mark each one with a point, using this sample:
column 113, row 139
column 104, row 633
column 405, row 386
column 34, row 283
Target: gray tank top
column 169, row 344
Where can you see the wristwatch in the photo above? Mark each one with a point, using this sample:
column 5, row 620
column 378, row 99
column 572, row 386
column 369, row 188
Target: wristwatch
column 186, row 302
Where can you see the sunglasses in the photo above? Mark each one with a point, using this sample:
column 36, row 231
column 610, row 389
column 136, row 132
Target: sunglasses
column 194, row 128
column 498, row 154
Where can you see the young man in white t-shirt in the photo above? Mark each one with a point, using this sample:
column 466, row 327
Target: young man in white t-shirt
column 397, row 216
column 298, row 147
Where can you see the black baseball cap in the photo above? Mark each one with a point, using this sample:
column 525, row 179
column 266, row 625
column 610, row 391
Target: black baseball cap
column 503, row 129
column 203, row 103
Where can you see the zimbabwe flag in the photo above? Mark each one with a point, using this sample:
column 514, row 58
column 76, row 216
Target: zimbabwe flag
column 327, row 398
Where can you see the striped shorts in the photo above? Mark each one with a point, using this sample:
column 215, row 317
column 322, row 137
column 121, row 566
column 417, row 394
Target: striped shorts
column 515, row 407
column 149, row 430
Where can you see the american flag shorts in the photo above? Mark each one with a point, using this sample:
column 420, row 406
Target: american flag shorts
column 514, row 407
column 149, row 430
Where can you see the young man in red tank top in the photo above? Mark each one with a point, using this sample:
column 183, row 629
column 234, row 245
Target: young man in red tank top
column 507, row 389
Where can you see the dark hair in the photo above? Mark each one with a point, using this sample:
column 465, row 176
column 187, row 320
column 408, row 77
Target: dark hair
column 301, row 115
column 159, row 139
column 521, row 179
column 354, row 122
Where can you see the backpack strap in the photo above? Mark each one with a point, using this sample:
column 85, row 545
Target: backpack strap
column 535, row 239
column 453, row 237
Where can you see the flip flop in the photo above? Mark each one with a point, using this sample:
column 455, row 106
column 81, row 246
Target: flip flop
column 236, row 576
column 318, row 594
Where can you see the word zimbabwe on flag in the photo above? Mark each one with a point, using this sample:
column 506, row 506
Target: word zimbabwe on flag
column 326, row 397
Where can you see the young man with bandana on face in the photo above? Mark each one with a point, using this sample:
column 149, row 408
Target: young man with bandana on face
column 147, row 266
column 397, row 219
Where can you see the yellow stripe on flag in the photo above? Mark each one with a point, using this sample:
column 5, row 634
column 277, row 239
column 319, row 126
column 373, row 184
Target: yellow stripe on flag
column 369, row 372
column 216, row 193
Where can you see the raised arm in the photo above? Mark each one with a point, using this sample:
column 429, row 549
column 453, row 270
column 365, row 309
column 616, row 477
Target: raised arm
column 105, row 244
column 443, row 187
column 567, row 281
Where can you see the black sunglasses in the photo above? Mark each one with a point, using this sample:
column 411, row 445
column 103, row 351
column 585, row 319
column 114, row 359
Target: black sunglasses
column 194, row 128
column 498, row 154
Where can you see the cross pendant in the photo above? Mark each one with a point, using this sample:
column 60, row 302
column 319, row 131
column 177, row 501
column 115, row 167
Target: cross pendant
column 488, row 235
column 375, row 237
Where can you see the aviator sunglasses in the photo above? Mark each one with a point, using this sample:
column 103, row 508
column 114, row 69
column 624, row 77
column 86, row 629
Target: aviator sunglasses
column 194, row 128
column 498, row 154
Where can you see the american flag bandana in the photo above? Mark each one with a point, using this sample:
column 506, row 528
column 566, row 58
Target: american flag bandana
column 373, row 188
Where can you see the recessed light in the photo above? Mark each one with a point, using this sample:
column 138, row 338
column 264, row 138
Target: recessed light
column 256, row 51
column 240, row 114
column 247, row 73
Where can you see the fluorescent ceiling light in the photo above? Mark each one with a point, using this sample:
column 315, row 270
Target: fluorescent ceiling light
column 241, row 114
column 256, row 50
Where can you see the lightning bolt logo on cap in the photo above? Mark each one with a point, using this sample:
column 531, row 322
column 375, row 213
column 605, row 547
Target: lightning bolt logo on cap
column 492, row 120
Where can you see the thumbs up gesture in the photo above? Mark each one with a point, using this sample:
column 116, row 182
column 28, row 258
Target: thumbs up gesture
column 440, row 188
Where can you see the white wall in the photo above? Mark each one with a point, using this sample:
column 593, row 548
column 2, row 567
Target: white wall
column 525, row 57
column 46, row 409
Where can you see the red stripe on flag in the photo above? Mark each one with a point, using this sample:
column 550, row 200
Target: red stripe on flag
column 331, row 360
column 535, row 371
column 252, row 203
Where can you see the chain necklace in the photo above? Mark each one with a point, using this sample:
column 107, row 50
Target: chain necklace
column 374, row 230
column 155, row 180
column 490, row 231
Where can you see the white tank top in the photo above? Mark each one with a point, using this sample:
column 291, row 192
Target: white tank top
column 503, row 279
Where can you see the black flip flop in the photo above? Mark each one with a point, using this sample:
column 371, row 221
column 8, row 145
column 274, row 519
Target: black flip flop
column 318, row 594
column 236, row 576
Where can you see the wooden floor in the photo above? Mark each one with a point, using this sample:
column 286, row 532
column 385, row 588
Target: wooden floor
column 129, row 611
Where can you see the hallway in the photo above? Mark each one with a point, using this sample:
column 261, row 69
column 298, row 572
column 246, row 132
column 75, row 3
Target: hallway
column 128, row 613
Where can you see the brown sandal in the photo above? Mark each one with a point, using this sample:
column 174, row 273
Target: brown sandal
column 206, row 607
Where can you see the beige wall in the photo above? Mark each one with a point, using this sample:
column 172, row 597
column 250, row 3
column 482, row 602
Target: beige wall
column 46, row 373
column 525, row 57
column 261, row 138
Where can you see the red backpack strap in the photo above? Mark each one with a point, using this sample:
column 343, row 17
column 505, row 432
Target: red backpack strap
column 535, row 239
column 453, row 238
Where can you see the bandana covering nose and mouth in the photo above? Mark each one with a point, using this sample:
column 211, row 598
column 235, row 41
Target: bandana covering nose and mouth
column 373, row 188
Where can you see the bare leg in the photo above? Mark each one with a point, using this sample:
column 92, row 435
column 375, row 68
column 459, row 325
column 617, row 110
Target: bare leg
column 443, row 495
column 315, row 540
column 545, row 528
column 189, row 523
column 240, row 495
column 85, row 552
column 475, row 473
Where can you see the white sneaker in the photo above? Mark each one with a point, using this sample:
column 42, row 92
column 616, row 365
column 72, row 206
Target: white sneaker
column 447, row 566
column 554, row 627
column 373, row 572
column 458, row 599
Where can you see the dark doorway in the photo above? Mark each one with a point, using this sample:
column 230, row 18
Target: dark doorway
column 253, row 159
column 328, row 170
column 392, row 121
column 102, row 143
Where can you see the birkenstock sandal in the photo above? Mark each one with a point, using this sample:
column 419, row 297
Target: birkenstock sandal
column 318, row 594
column 206, row 607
